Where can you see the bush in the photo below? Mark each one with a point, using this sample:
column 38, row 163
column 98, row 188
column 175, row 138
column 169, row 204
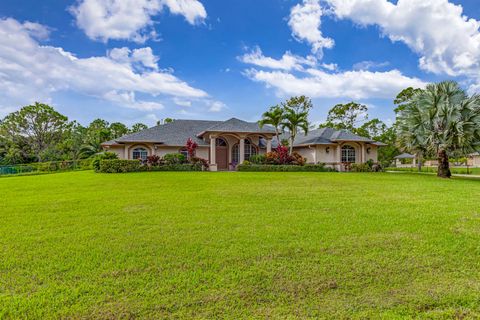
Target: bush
column 258, row 159
column 119, row 166
column 153, row 160
column 246, row 163
column 368, row 166
column 199, row 162
column 179, row 167
column 284, row 168
column 297, row 159
column 102, row 156
column 174, row 158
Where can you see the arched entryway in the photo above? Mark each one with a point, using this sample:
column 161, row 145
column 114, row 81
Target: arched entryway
column 221, row 154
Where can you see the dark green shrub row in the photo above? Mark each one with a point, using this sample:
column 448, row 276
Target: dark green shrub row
column 176, row 167
column 118, row 166
column 121, row 166
column 51, row 166
column 284, row 168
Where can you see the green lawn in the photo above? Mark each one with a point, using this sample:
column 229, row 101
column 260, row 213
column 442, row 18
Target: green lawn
column 239, row 245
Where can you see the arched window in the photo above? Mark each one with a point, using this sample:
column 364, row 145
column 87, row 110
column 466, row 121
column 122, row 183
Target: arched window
column 140, row 153
column 348, row 154
column 221, row 142
column 250, row 150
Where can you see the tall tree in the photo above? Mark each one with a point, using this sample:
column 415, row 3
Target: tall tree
column 273, row 117
column 404, row 98
column 39, row 126
column 117, row 129
column 138, row 127
column 441, row 119
column 296, row 110
column 346, row 116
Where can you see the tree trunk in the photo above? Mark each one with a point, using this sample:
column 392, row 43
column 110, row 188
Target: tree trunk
column 443, row 165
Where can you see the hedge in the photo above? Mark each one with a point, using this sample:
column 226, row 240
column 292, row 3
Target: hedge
column 283, row 168
column 121, row 166
column 117, row 166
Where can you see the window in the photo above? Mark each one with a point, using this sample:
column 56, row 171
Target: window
column 348, row 154
column 250, row 150
column 184, row 151
column 221, row 142
column 140, row 153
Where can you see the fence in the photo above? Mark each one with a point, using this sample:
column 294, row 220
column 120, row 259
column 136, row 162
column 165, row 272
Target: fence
column 45, row 167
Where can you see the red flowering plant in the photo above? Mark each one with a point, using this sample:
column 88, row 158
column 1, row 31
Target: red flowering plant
column 283, row 155
column 191, row 147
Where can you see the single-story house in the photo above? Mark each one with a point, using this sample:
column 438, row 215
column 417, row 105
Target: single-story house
column 230, row 142
column 475, row 159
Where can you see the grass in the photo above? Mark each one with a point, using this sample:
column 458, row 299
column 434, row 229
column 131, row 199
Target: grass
column 239, row 245
column 454, row 170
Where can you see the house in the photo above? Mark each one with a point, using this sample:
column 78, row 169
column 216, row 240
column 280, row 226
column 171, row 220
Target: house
column 226, row 143
column 474, row 160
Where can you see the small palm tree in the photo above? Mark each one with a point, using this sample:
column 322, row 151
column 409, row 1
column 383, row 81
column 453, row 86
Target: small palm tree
column 273, row 117
column 441, row 119
column 293, row 120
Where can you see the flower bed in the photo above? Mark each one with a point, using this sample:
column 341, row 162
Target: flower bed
column 283, row 168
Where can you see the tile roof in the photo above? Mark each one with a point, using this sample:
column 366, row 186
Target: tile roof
column 177, row 132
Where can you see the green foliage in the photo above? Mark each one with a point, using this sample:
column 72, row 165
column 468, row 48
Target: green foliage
column 119, row 166
column 283, row 168
column 346, row 116
column 33, row 132
column 441, row 120
column 295, row 117
column 404, row 98
column 274, row 117
column 258, row 159
column 102, row 156
column 137, row 127
column 174, row 158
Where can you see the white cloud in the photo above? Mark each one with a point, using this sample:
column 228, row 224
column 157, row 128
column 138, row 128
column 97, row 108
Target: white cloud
column 287, row 62
column 130, row 19
column 305, row 22
column 447, row 41
column 182, row 102
column 216, row 106
column 369, row 65
column 351, row 84
column 32, row 72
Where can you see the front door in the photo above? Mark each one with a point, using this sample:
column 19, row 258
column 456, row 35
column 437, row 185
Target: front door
column 222, row 154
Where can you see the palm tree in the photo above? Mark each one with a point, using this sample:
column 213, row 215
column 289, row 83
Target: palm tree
column 293, row 120
column 441, row 119
column 273, row 117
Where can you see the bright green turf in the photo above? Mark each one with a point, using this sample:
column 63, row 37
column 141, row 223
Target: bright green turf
column 239, row 245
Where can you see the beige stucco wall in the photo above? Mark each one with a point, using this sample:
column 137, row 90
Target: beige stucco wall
column 318, row 153
column 116, row 149
column 476, row 161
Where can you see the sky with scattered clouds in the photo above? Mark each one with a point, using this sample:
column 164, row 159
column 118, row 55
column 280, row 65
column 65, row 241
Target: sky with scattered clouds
column 145, row 60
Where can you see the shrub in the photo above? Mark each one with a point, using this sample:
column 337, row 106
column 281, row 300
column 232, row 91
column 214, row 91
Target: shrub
column 179, row 167
column 153, row 160
column 258, row 159
column 102, row 156
column 199, row 162
column 284, row 168
column 360, row 167
column 298, row 159
column 118, row 166
column 246, row 163
column 191, row 147
column 174, row 158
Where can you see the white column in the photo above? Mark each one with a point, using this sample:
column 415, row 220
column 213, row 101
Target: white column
column 269, row 145
column 242, row 150
column 125, row 152
column 414, row 162
column 213, row 146
column 364, row 154
column 339, row 157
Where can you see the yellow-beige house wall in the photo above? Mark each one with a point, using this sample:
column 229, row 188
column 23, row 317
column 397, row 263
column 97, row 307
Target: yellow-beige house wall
column 126, row 151
column 476, row 161
column 330, row 154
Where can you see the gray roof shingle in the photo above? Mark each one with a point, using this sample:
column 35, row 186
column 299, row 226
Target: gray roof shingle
column 237, row 125
column 174, row 133
column 177, row 132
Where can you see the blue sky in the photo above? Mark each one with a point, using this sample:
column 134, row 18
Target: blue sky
column 144, row 60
